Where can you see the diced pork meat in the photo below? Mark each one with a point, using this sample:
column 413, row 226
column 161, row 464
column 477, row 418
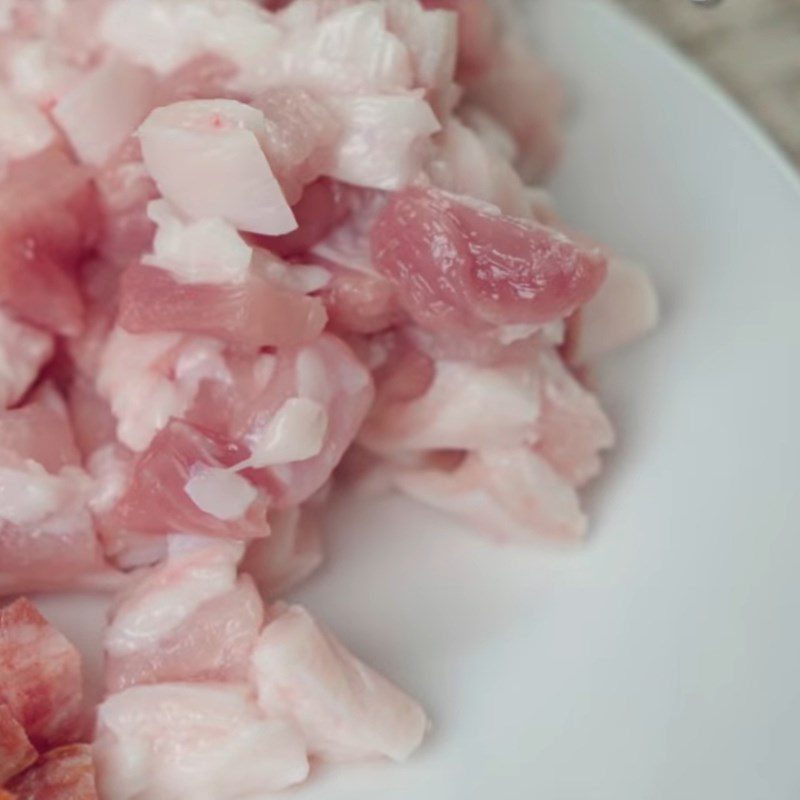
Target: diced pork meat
column 512, row 495
column 16, row 751
column 574, row 429
column 462, row 163
column 150, row 378
column 319, row 210
column 207, row 158
column 254, row 312
column 431, row 38
column 625, row 308
column 245, row 245
column 44, row 519
column 348, row 51
column 47, row 219
column 299, row 138
column 478, row 34
column 360, row 302
column 65, row 773
column 24, row 350
column 188, row 619
column 536, row 123
column 458, row 265
column 382, row 145
column 466, row 407
column 345, row 710
column 290, row 554
column 170, row 741
column 40, row 676
column 160, row 499
column 105, row 108
column 24, row 129
column 40, row 431
column 124, row 190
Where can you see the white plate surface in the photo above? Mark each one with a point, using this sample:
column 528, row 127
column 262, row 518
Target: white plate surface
column 661, row 661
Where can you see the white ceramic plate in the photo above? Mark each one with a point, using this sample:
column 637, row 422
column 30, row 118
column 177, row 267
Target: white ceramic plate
column 661, row 661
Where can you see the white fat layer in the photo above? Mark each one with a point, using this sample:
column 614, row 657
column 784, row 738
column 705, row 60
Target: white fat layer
column 36, row 72
column 28, row 495
column 111, row 473
column 104, row 109
column 296, row 432
column 381, row 144
column 24, row 130
column 23, row 351
column 222, row 493
column 347, row 51
column 303, row 278
column 199, row 251
column 164, row 34
column 312, row 378
column 173, row 741
column 206, row 158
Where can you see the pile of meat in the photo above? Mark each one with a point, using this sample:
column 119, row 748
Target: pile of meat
column 245, row 246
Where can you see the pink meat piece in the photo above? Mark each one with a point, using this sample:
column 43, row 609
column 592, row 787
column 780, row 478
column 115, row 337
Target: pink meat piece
column 124, row 189
column 478, row 35
column 100, row 283
column 289, row 555
column 574, row 428
column 300, row 135
column 347, row 244
column 111, row 466
column 528, row 99
column 253, row 313
column 93, row 424
column 207, row 158
column 156, row 501
column 346, row 710
column 460, row 266
column 16, row 751
column 320, row 209
column 324, row 374
column 65, row 773
column 24, row 350
column 512, row 495
column 360, row 302
column 40, row 430
column 188, row 619
column 47, row 216
column 625, row 308
column 40, row 676
column 173, row 741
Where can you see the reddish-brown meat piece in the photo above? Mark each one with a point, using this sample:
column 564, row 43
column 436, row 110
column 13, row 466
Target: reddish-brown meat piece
column 66, row 773
column 40, row 676
column 16, row 751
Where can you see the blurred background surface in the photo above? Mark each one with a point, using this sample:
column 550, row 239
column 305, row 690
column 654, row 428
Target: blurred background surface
column 752, row 47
